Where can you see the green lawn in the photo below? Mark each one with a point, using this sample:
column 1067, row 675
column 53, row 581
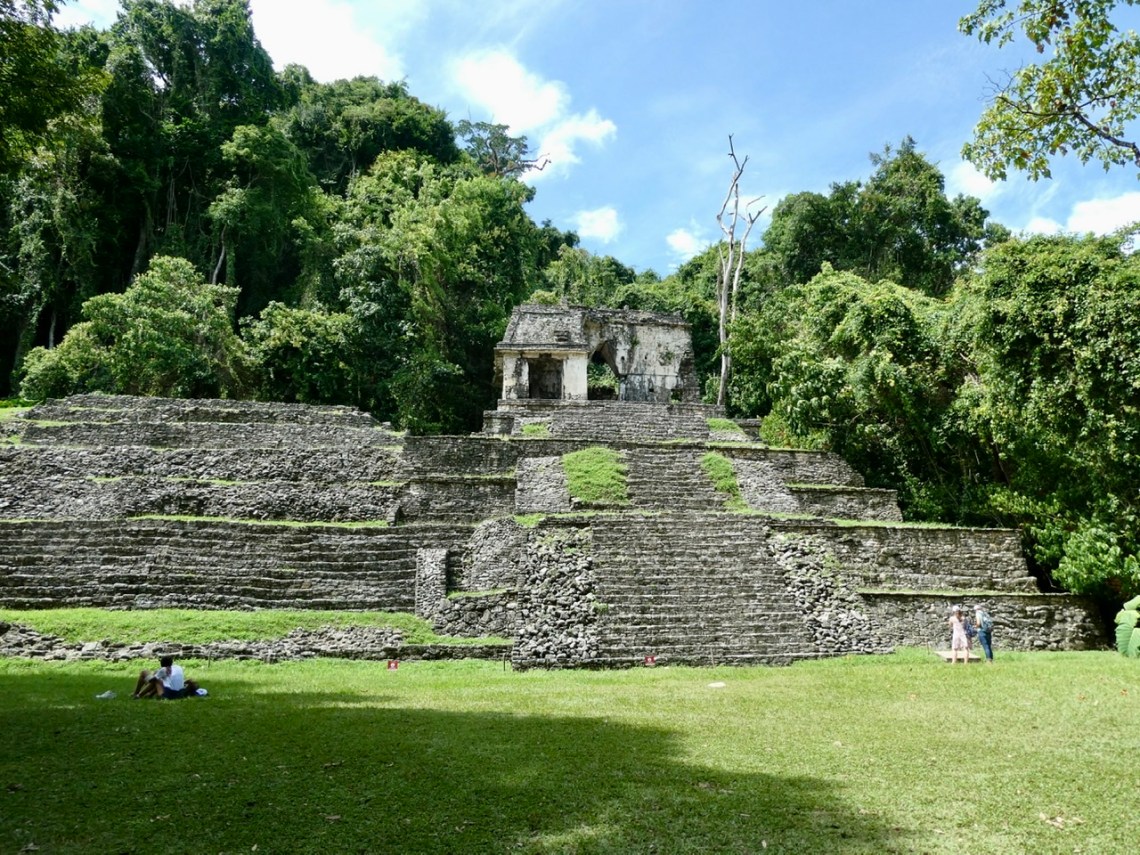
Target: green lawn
column 874, row 754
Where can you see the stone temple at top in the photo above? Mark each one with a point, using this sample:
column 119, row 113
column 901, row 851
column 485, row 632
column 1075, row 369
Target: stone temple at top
column 547, row 350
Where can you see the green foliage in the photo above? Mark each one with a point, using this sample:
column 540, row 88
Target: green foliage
column 774, row 431
column 344, row 126
column 303, row 355
column 596, row 476
column 859, row 364
column 1081, row 97
column 900, row 226
column 272, row 220
column 495, row 151
column 1127, row 631
column 539, row 430
column 36, row 83
column 1051, row 325
column 584, row 279
column 169, row 334
column 723, row 476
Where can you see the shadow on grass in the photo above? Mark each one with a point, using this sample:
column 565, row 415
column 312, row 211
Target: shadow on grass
column 343, row 773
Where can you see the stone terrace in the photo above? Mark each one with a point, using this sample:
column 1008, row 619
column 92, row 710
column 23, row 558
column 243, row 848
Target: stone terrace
column 241, row 493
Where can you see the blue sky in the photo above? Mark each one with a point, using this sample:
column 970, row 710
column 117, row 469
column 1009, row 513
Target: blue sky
column 633, row 101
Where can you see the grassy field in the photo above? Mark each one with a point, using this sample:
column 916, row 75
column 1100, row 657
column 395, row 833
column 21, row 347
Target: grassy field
column 873, row 754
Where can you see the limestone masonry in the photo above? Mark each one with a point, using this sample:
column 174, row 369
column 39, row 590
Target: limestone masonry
column 143, row 503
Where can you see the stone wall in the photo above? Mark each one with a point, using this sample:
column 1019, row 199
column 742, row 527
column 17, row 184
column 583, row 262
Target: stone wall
column 213, row 565
column 478, row 615
column 923, row 558
column 356, row 642
column 542, row 486
column 558, row 612
column 343, row 464
column 126, row 409
column 445, row 498
column 1030, row 621
column 428, row 499
column 789, row 466
column 850, row 503
column 32, row 497
column 492, row 557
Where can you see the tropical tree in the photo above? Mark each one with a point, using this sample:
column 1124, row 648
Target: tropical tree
column 496, row 152
column 342, row 127
column 170, row 333
column 1082, row 97
column 36, row 84
column 899, row 225
column 1052, row 399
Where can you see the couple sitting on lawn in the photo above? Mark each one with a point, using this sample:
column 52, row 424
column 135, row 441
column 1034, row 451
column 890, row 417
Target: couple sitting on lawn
column 168, row 683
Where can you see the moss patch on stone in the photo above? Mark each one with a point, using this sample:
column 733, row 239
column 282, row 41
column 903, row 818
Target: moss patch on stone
column 596, row 477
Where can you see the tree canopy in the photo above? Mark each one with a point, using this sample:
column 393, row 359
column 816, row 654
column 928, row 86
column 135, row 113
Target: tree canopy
column 1081, row 98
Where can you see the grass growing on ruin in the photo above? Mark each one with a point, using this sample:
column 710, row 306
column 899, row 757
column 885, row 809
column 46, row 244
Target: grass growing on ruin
column 189, row 626
column 596, row 476
column 900, row 754
column 725, row 426
column 723, row 476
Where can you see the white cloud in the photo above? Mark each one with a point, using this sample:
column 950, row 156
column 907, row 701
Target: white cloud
column 600, row 223
column 560, row 142
column 101, row 13
column 515, row 97
column 964, row 178
column 328, row 38
column 685, row 243
column 495, row 81
column 1099, row 216
column 1044, row 226
column 1105, row 215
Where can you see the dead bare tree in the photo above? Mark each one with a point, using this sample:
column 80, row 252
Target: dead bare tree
column 731, row 255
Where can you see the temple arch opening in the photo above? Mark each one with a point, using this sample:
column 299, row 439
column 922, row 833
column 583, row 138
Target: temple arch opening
column 603, row 383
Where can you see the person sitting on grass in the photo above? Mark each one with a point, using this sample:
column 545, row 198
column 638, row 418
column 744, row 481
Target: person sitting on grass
column 167, row 683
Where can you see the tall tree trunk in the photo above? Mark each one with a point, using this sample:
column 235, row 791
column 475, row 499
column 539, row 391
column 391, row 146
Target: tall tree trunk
column 731, row 254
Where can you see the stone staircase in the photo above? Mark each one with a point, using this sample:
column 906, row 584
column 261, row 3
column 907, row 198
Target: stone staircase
column 713, row 598
column 604, row 421
column 670, row 478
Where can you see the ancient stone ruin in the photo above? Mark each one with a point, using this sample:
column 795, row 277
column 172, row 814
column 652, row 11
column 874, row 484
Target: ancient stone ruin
column 142, row 503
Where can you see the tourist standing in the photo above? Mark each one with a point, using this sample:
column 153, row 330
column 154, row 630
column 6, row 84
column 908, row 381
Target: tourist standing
column 959, row 641
column 985, row 627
